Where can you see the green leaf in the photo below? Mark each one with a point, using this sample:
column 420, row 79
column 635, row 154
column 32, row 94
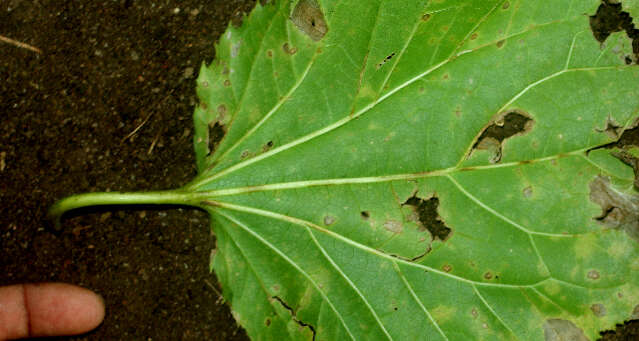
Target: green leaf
column 419, row 170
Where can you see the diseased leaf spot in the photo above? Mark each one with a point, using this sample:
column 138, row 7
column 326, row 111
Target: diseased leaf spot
column 505, row 5
column 393, row 226
column 245, row 154
column 267, row 146
column 269, row 53
column 474, row 36
column 227, row 83
column 309, row 19
column 427, row 216
column 618, row 210
column 611, row 128
column 365, row 215
column 267, row 322
column 528, row 192
column 425, row 17
column 329, row 220
column 500, row 44
column 388, row 58
column 474, row 313
column 447, row 268
column 288, row 49
column 512, row 123
column 559, row 330
column 488, row 275
column 598, row 309
column 593, row 274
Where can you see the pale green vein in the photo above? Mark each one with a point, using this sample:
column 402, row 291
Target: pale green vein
column 349, row 281
column 550, row 300
column 401, row 53
column 273, row 110
column 526, row 89
column 295, row 265
column 501, row 216
column 373, row 179
column 304, row 223
column 319, row 132
column 251, row 70
column 490, row 308
column 419, row 302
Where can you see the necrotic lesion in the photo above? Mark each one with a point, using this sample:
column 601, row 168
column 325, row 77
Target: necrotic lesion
column 308, row 17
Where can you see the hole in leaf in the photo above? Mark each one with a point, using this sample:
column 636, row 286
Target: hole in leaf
column 428, row 218
column 507, row 125
column 309, row 19
column 216, row 134
column 365, row 215
column 388, row 58
column 267, row 146
column 610, row 18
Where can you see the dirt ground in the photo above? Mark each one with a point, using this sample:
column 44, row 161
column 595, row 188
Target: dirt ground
column 104, row 102
column 67, row 113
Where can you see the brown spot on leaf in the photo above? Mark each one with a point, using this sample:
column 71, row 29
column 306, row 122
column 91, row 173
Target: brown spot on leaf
column 447, row 268
column 365, row 215
column 505, row 5
column 474, row 36
column 609, row 18
column 612, row 129
column 426, row 16
column 427, row 216
column 512, row 123
column 528, row 192
column 561, row 330
column 598, row 309
column 288, row 49
column 488, row 275
column 309, row 19
column 227, row 83
column 269, row 53
column 329, row 220
column 593, row 274
column 618, row 209
column 500, row 44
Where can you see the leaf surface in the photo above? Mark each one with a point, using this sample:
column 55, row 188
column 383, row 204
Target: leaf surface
column 421, row 170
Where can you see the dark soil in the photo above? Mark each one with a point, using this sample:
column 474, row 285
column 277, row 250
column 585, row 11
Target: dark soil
column 105, row 69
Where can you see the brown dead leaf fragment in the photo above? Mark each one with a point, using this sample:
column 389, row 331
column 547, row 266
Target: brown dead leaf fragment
column 308, row 17
column 563, row 330
column 618, row 210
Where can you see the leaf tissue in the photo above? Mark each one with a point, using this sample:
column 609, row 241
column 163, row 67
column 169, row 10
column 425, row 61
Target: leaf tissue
column 433, row 170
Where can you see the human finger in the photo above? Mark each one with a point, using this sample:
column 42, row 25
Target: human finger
column 48, row 309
